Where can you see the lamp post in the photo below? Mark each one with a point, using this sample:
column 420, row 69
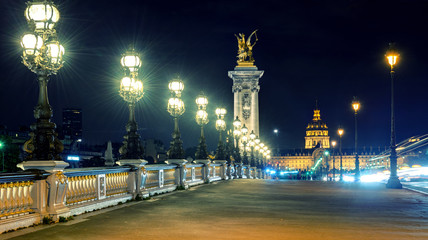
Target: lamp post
column 220, row 126
column 333, row 144
column 131, row 90
column 43, row 55
column 340, row 132
column 252, row 143
column 237, row 134
column 356, row 107
column 201, row 120
column 276, row 132
column 176, row 109
column 2, row 155
column 393, row 181
column 244, row 131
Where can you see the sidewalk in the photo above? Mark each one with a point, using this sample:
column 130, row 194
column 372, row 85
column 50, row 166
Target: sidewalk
column 258, row 209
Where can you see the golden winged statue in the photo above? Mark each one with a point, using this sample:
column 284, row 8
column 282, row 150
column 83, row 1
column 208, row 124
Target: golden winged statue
column 245, row 48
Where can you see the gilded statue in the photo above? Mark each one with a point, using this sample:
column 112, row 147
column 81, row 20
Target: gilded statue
column 245, row 47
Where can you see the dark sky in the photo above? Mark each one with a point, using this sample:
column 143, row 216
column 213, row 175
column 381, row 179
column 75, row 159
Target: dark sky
column 325, row 50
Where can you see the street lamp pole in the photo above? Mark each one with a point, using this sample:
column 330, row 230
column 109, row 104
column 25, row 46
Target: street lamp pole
column 43, row 55
column 176, row 108
column 333, row 144
column 201, row 120
column 131, row 90
column 340, row 132
column 237, row 133
column 393, row 181
column 356, row 107
column 220, row 126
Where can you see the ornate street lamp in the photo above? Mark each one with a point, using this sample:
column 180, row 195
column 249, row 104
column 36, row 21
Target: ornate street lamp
column 176, row 109
column 220, row 125
column 244, row 131
column 333, row 144
column 340, row 132
column 131, row 90
column 393, row 181
column 43, row 55
column 237, row 134
column 252, row 144
column 201, row 120
column 356, row 107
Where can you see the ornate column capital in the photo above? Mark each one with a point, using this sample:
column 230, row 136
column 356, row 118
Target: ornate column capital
column 236, row 88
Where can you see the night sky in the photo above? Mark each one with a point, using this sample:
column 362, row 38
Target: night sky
column 328, row 51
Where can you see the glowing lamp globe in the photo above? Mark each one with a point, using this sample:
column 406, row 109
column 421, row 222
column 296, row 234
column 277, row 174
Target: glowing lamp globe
column 252, row 135
column 257, row 140
column 44, row 15
column 244, row 138
column 220, row 125
column 340, row 131
column 201, row 117
column 355, row 105
column 333, row 143
column 176, row 86
column 237, row 122
column 131, row 61
column 31, row 44
column 126, row 84
column 392, row 55
column 237, row 133
column 220, row 112
column 244, row 130
column 55, row 52
column 201, row 101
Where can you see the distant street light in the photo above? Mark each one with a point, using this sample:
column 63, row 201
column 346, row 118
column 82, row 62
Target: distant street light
column 244, row 131
column 237, row 134
column 131, row 90
column 393, row 181
column 220, row 125
column 176, row 109
column 43, row 55
column 252, row 143
column 276, row 132
column 356, row 107
column 333, row 144
column 202, row 119
column 340, row 132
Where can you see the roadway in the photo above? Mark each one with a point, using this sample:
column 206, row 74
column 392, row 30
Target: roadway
column 255, row 209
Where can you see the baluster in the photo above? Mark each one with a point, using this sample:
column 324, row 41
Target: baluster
column 9, row 201
column 3, row 205
column 20, row 200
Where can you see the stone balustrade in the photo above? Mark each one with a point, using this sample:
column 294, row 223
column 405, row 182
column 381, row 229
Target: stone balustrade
column 27, row 197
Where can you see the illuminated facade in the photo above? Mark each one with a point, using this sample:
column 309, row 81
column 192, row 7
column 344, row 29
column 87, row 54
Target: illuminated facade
column 317, row 133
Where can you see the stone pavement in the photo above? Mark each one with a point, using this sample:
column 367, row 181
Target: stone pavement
column 256, row 209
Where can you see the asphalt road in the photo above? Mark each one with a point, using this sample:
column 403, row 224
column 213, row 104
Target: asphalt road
column 256, row 209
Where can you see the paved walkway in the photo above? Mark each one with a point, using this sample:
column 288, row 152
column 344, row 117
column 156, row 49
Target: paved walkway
column 256, row 209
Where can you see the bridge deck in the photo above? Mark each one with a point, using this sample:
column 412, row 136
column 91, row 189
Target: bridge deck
column 256, row 209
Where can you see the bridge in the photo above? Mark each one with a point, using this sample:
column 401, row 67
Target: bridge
column 254, row 209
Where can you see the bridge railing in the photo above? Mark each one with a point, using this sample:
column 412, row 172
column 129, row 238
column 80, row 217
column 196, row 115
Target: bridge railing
column 28, row 197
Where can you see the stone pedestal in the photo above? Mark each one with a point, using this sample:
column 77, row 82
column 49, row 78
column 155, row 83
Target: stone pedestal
column 180, row 179
column 238, row 170
column 55, row 187
column 231, row 171
column 137, row 178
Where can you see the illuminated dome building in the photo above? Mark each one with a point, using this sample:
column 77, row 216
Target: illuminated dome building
column 317, row 133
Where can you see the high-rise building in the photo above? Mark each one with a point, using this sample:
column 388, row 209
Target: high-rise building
column 72, row 123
